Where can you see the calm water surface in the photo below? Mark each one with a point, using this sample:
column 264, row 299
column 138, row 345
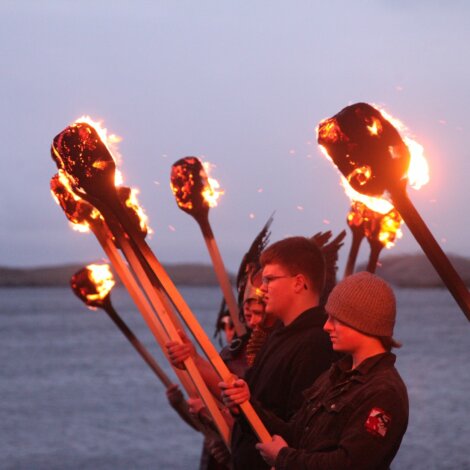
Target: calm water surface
column 74, row 395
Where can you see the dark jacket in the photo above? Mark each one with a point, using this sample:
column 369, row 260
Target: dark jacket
column 288, row 363
column 351, row 419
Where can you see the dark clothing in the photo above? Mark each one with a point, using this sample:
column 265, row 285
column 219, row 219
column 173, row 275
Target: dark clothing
column 289, row 362
column 234, row 355
column 351, row 419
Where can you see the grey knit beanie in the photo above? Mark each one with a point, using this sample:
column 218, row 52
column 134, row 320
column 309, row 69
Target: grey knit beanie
column 365, row 302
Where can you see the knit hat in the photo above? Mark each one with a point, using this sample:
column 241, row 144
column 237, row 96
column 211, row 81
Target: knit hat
column 365, row 302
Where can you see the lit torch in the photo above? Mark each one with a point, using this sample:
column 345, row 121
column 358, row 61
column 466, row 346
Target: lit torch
column 84, row 216
column 381, row 231
column 370, row 153
column 195, row 193
column 93, row 285
column 79, row 151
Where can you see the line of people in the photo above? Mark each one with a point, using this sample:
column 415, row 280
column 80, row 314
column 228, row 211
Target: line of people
column 321, row 377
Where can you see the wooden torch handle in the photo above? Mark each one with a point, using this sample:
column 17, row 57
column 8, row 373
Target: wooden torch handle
column 433, row 251
column 222, row 275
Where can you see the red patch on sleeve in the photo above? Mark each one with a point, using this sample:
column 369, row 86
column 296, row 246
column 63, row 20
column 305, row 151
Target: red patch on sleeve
column 378, row 422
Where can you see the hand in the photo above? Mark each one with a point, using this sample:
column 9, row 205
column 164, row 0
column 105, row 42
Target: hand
column 235, row 393
column 269, row 450
column 174, row 395
column 219, row 451
column 195, row 405
column 179, row 352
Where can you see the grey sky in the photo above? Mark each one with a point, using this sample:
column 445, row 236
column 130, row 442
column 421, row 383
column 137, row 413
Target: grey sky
column 242, row 84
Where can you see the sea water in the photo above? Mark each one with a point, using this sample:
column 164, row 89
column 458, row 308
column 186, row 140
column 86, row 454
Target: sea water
column 75, row 395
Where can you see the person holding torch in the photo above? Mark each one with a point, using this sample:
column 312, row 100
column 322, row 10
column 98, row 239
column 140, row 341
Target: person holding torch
column 355, row 415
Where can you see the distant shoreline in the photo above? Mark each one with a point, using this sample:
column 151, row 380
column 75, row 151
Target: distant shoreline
column 187, row 274
column 413, row 271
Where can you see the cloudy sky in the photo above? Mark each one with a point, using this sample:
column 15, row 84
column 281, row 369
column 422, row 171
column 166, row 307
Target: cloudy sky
column 240, row 84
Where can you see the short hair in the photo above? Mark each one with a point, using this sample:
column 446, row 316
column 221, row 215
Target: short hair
column 298, row 255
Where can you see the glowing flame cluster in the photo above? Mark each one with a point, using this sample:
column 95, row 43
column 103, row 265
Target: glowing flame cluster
column 390, row 228
column 384, row 228
column 133, row 204
column 77, row 223
column 102, row 279
column 211, row 191
column 418, row 170
column 93, row 285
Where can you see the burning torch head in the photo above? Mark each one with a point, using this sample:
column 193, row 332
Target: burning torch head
column 366, row 148
column 188, row 183
column 93, row 285
column 77, row 210
column 79, row 151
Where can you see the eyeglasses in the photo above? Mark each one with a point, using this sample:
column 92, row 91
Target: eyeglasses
column 267, row 279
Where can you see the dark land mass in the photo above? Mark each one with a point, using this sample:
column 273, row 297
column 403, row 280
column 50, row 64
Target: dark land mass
column 400, row 270
column 416, row 270
column 49, row 276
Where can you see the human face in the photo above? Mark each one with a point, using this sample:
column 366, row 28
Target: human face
column 277, row 287
column 343, row 337
column 253, row 312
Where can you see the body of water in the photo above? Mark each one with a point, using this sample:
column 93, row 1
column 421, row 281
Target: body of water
column 75, row 395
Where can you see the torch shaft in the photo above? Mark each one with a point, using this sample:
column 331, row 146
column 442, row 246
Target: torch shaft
column 433, row 251
column 375, row 249
column 222, row 275
column 138, row 346
column 171, row 330
column 191, row 322
column 357, row 237
column 105, row 239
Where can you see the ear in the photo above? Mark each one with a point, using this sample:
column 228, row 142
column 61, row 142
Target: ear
column 300, row 283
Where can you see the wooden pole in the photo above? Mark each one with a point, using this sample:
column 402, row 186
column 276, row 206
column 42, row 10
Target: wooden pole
column 196, row 330
column 432, row 250
column 196, row 387
column 170, row 328
column 136, row 344
column 105, row 239
column 357, row 237
column 222, row 275
column 375, row 249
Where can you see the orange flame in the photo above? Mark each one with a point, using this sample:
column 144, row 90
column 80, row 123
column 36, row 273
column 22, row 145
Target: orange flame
column 77, row 225
column 103, row 281
column 418, row 170
column 211, row 191
column 376, row 226
column 375, row 128
column 111, row 142
column 390, row 229
column 133, row 203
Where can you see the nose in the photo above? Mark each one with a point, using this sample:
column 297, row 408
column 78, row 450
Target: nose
column 328, row 326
